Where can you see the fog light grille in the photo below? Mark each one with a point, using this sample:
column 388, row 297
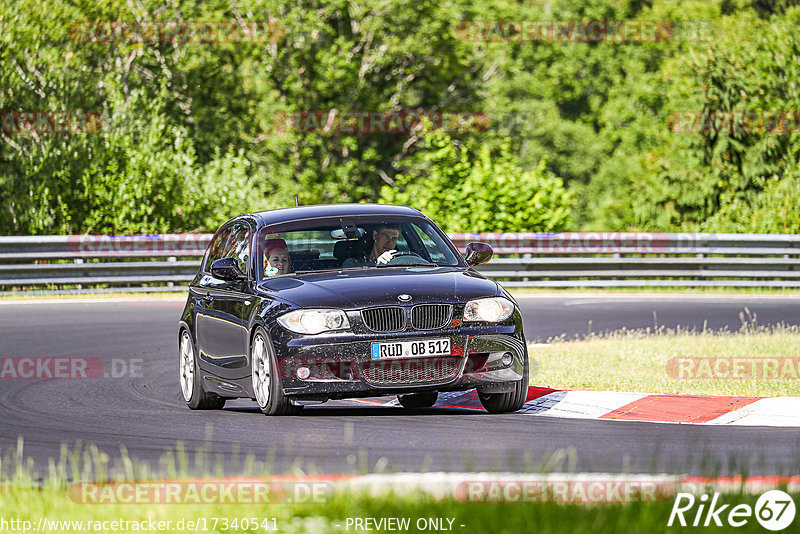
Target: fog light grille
column 407, row 371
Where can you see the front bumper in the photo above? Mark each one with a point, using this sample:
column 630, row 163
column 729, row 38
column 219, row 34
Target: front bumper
column 341, row 365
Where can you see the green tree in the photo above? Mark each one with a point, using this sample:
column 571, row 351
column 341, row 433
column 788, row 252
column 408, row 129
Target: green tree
column 184, row 113
column 476, row 190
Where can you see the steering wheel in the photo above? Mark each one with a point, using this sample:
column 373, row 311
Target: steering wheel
column 413, row 257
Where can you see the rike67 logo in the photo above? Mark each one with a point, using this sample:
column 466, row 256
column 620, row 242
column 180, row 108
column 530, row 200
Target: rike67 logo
column 774, row 510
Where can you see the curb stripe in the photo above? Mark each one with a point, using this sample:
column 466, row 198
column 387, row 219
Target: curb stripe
column 643, row 407
column 678, row 408
column 770, row 411
column 590, row 404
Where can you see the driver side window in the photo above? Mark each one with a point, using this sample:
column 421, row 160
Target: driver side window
column 217, row 248
column 238, row 245
column 233, row 242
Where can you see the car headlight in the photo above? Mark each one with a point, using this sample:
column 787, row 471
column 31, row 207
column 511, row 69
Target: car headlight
column 490, row 310
column 314, row 321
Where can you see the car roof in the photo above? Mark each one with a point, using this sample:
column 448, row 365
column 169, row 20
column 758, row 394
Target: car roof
column 283, row 215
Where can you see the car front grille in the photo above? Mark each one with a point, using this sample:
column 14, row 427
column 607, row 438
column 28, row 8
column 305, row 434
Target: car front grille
column 410, row 371
column 386, row 319
column 430, row 316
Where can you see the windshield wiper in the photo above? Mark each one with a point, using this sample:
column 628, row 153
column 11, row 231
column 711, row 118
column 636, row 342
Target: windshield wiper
column 312, row 271
column 415, row 264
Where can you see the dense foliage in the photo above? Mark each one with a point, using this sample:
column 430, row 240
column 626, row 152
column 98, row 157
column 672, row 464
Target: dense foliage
column 578, row 134
column 479, row 191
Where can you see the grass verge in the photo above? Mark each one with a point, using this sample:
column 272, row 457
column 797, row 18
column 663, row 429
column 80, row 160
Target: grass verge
column 517, row 291
column 657, row 290
column 154, row 295
column 32, row 507
column 754, row 361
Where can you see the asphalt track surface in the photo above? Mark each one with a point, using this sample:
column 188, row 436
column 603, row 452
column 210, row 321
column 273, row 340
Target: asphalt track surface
column 146, row 414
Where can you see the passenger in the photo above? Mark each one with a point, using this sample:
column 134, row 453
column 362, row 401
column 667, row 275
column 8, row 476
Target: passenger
column 276, row 258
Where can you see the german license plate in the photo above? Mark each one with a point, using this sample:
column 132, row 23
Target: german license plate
column 401, row 349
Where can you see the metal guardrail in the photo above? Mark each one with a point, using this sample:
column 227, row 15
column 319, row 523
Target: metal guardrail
column 566, row 259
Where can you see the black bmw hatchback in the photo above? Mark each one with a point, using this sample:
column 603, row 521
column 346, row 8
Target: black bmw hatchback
column 301, row 305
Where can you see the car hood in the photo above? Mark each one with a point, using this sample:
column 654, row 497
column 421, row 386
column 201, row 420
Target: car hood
column 374, row 287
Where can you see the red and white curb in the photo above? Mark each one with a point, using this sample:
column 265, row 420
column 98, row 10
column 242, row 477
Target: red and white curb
column 647, row 407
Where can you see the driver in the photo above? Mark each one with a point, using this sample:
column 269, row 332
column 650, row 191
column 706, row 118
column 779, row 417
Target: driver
column 383, row 250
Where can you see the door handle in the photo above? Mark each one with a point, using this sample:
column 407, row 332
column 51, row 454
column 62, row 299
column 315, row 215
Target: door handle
column 207, row 299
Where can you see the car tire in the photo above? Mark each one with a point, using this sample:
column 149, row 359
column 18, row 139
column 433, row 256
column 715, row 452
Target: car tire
column 511, row 401
column 266, row 381
column 418, row 400
column 196, row 397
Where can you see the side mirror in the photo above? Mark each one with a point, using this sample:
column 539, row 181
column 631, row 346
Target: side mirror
column 478, row 253
column 227, row 269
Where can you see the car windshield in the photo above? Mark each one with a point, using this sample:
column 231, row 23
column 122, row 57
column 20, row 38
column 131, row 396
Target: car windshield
column 357, row 243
